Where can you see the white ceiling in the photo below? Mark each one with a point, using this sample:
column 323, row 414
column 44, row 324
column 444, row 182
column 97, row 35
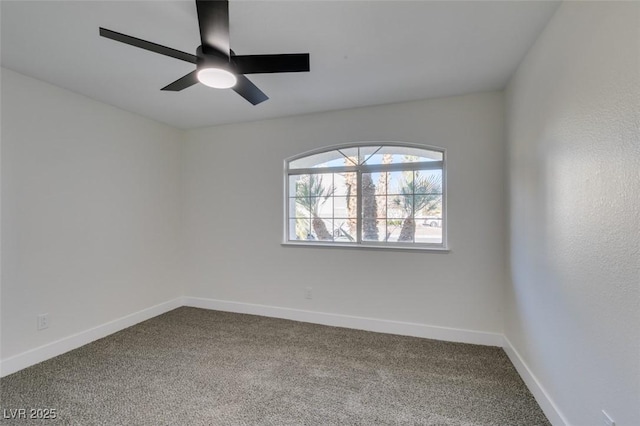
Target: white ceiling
column 362, row 52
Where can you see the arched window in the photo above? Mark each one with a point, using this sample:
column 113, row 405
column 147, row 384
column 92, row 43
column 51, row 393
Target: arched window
column 373, row 194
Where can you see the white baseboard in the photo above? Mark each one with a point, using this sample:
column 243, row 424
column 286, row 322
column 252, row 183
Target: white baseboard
column 50, row 350
column 348, row 321
column 53, row 349
column 549, row 408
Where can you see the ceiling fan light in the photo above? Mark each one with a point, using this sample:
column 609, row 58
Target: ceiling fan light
column 217, row 77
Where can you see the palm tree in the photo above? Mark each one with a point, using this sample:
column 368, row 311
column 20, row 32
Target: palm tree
column 369, row 209
column 351, row 182
column 383, row 181
column 311, row 194
column 420, row 193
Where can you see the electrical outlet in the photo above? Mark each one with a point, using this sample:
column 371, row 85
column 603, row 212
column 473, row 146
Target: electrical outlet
column 607, row 420
column 308, row 293
column 43, row 321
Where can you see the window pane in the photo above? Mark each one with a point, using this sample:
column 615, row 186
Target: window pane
column 344, row 207
column 299, row 207
column 368, row 185
column 427, row 181
column 369, row 209
column 322, row 229
column 350, row 156
column 323, row 159
column 348, row 226
column 400, row 182
column 391, row 210
column 324, row 207
column 294, row 182
column 300, row 229
column 407, row 230
column 311, row 229
column 381, row 180
column 395, row 207
column 406, row 155
column 432, row 221
column 381, row 206
column 376, row 230
column 375, row 182
column 427, row 234
column 366, row 152
column 345, row 184
column 315, row 189
column 382, row 230
column 342, row 231
column 393, row 229
column 322, row 184
column 401, row 206
column 428, row 206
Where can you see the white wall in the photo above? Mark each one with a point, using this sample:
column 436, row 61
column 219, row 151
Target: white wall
column 90, row 213
column 234, row 217
column 573, row 308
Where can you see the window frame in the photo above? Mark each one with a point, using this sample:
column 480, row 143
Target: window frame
column 359, row 170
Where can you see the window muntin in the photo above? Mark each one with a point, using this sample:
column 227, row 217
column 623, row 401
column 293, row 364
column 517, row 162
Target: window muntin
column 367, row 195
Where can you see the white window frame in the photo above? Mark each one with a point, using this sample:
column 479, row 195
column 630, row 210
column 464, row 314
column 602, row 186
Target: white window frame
column 359, row 169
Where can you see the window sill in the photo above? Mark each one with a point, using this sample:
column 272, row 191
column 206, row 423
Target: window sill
column 441, row 250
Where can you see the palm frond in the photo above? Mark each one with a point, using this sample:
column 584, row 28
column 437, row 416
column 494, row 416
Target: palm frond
column 311, row 193
column 420, row 193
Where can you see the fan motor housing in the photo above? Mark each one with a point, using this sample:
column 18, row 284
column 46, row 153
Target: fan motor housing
column 213, row 59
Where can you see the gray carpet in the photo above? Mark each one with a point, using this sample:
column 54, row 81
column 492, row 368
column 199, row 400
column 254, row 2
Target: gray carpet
column 198, row 367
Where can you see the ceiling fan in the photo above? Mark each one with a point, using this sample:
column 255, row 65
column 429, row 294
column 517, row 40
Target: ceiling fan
column 216, row 64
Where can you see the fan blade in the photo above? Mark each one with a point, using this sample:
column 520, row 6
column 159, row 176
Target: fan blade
column 254, row 64
column 183, row 82
column 147, row 45
column 213, row 19
column 245, row 88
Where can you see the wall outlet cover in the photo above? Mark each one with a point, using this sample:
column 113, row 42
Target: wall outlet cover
column 43, row 321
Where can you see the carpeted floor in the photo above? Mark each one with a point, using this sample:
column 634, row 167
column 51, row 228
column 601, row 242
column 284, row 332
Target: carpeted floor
column 198, row 367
